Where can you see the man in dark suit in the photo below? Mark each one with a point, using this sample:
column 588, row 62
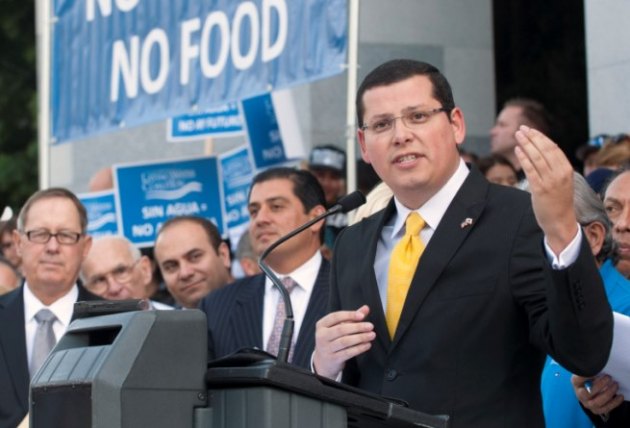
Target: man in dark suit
column 243, row 314
column 52, row 241
column 483, row 305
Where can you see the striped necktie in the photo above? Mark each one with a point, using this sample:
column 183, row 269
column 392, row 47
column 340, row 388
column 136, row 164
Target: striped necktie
column 273, row 344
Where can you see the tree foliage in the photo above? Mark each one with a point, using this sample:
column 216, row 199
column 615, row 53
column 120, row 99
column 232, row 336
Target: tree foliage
column 18, row 102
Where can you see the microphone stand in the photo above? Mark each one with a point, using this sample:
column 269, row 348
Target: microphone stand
column 345, row 204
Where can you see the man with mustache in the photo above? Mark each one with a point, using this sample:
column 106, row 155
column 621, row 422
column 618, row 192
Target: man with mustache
column 617, row 205
column 604, row 406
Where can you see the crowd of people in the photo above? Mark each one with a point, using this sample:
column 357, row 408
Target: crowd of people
column 479, row 288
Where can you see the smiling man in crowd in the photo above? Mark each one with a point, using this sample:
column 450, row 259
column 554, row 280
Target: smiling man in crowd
column 193, row 259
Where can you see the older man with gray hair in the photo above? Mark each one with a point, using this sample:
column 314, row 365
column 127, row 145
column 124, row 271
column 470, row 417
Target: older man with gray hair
column 116, row 270
column 561, row 406
column 246, row 256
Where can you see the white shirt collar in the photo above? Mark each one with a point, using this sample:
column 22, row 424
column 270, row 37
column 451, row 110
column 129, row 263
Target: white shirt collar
column 62, row 307
column 305, row 275
column 433, row 210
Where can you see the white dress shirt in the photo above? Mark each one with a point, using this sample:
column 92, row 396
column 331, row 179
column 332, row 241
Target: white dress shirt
column 305, row 276
column 159, row 306
column 62, row 308
column 432, row 212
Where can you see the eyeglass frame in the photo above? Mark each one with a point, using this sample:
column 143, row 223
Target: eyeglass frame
column 403, row 118
column 76, row 236
column 128, row 270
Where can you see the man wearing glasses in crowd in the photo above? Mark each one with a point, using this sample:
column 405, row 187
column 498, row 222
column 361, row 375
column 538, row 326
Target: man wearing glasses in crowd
column 116, row 270
column 52, row 240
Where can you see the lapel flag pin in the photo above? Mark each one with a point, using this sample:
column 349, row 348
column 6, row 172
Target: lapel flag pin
column 467, row 222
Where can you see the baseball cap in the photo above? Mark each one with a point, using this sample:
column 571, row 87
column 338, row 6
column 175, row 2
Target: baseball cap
column 328, row 157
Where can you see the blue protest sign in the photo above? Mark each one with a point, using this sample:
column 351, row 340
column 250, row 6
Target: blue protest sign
column 151, row 193
column 222, row 121
column 263, row 131
column 101, row 212
column 119, row 63
column 237, row 173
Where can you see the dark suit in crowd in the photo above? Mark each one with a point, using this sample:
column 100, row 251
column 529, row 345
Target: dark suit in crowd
column 235, row 315
column 14, row 372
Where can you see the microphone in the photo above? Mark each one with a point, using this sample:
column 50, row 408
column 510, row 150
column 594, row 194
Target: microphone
column 344, row 205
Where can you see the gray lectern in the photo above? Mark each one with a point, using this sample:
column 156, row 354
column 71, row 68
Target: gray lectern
column 126, row 370
column 149, row 368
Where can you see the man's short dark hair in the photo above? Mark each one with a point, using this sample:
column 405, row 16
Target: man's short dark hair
column 212, row 232
column 485, row 164
column 534, row 112
column 53, row 192
column 397, row 70
column 305, row 187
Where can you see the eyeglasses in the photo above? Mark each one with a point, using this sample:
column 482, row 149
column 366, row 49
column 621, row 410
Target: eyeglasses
column 42, row 236
column 412, row 120
column 121, row 274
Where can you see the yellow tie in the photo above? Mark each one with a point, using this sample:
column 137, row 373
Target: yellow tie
column 402, row 266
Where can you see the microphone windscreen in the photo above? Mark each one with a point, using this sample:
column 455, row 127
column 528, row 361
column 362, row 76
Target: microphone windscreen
column 352, row 201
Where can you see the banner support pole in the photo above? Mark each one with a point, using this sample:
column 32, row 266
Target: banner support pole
column 353, row 42
column 44, row 37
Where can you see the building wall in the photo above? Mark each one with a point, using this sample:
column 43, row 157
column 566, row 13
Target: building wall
column 608, row 65
column 454, row 35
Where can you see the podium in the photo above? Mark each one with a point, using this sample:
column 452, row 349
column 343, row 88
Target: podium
column 250, row 391
column 149, row 368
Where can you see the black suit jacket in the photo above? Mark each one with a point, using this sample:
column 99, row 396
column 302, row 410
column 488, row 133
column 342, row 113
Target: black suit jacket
column 483, row 309
column 235, row 314
column 14, row 375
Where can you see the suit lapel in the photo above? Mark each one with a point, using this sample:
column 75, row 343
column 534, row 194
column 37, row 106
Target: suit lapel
column 371, row 231
column 246, row 320
column 13, row 341
column 316, row 309
column 459, row 220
